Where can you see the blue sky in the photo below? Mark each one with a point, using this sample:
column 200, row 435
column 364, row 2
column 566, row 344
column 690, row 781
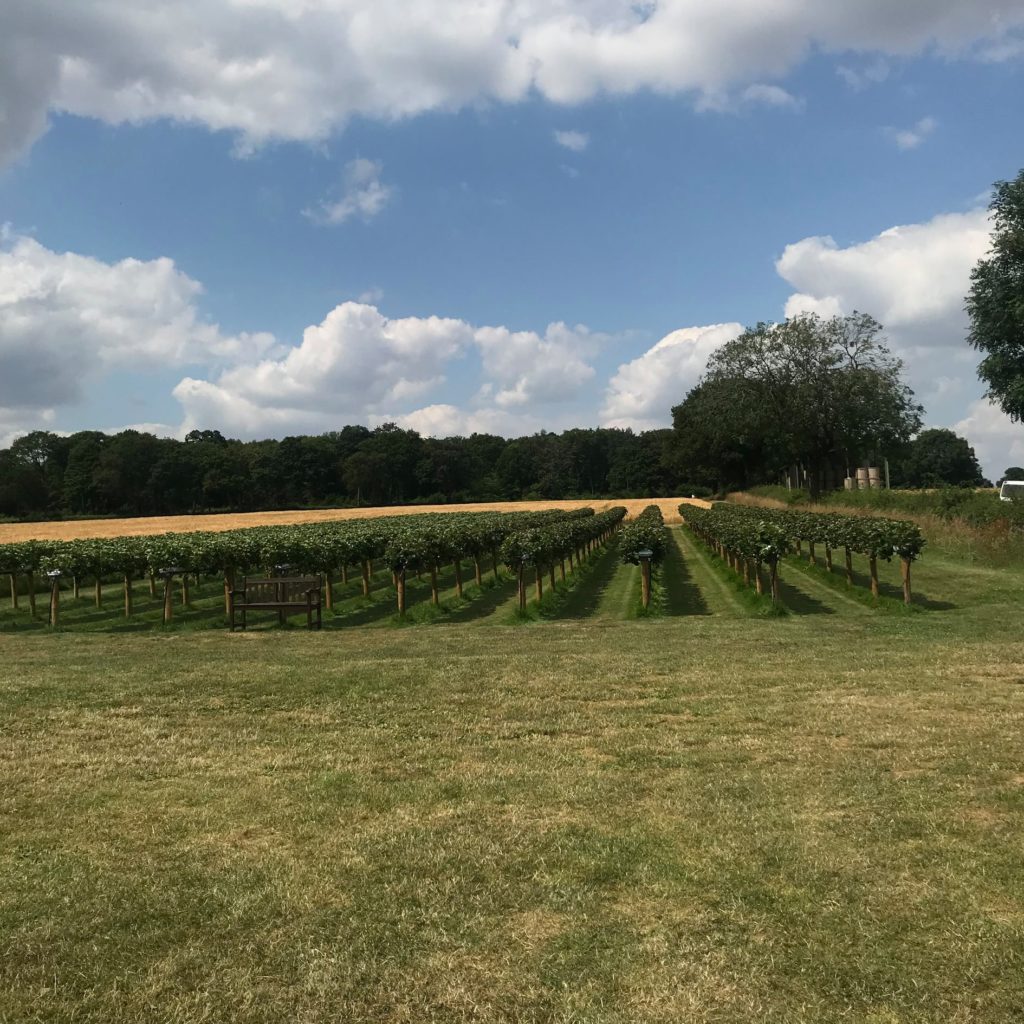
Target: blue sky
column 645, row 182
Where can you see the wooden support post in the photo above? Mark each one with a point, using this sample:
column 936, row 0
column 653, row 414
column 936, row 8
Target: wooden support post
column 328, row 590
column 828, row 558
column 99, row 592
column 14, row 589
column 30, row 577
column 55, row 602
column 186, row 597
column 905, row 570
column 229, row 586
column 168, row 599
column 458, row 578
column 522, row 587
column 746, row 572
column 552, row 576
column 775, row 582
column 435, row 598
column 366, row 578
column 540, row 584
column 758, row 582
column 563, row 569
column 477, row 572
column 814, row 554
column 127, row 595
column 645, row 582
column 849, row 567
column 344, row 574
column 75, row 591
column 873, row 563
column 152, row 585
column 400, row 588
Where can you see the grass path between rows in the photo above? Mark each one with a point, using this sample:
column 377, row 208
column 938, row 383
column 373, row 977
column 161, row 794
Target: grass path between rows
column 821, row 592
column 622, row 590
column 718, row 598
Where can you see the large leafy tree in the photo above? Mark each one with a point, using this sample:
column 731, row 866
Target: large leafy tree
column 822, row 393
column 939, row 458
column 996, row 301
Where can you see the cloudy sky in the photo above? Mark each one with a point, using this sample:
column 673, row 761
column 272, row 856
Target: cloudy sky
column 274, row 216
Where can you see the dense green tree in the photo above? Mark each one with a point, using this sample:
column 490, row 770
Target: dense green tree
column 79, row 490
column 939, row 458
column 996, row 301
column 1013, row 473
column 821, row 393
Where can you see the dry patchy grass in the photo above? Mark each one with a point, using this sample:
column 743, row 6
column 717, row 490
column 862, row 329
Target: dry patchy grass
column 709, row 819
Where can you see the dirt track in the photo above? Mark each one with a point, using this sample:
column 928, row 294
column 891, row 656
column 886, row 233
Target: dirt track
column 11, row 532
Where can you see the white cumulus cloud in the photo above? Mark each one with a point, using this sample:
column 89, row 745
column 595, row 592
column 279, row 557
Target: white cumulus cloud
column 356, row 362
column 66, row 319
column 524, row 368
column 913, row 278
column 641, row 393
column 301, row 69
column 997, row 440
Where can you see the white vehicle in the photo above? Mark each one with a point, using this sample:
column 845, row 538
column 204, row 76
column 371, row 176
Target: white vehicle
column 1012, row 490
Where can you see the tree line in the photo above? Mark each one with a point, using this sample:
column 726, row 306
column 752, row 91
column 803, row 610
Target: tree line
column 46, row 475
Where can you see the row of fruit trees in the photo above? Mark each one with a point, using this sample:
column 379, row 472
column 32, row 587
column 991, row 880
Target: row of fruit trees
column 749, row 538
column 421, row 543
column 644, row 542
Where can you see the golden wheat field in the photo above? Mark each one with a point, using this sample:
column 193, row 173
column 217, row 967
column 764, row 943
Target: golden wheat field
column 13, row 532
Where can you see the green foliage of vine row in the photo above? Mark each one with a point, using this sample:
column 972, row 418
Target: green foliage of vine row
column 403, row 541
column 768, row 534
column 542, row 545
column 646, row 532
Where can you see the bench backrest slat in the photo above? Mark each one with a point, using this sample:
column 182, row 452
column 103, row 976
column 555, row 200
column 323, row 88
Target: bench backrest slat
column 290, row 589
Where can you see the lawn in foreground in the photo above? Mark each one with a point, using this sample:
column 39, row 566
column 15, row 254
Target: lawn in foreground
column 699, row 819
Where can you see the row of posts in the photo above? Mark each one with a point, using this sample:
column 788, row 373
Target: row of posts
column 54, row 577
column 169, row 573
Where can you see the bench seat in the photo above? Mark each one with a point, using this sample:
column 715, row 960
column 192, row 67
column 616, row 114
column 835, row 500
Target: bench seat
column 281, row 594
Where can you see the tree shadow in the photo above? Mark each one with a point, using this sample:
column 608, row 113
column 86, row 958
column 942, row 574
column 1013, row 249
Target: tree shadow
column 886, row 589
column 801, row 603
column 485, row 602
column 583, row 600
column 682, row 595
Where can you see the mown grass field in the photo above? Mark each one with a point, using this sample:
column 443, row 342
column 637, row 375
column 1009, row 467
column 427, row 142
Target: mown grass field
column 708, row 815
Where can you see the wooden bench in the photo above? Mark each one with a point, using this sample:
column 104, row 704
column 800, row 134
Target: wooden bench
column 281, row 594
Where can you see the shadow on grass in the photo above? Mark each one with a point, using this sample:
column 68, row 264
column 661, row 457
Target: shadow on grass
column 682, row 595
column 862, row 584
column 886, row 589
column 583, row 600
column 485, row 601
column 799, row 602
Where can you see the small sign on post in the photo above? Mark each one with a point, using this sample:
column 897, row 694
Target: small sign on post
column 54, row 577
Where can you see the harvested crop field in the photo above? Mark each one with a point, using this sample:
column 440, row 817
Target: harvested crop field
column 77, row 529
